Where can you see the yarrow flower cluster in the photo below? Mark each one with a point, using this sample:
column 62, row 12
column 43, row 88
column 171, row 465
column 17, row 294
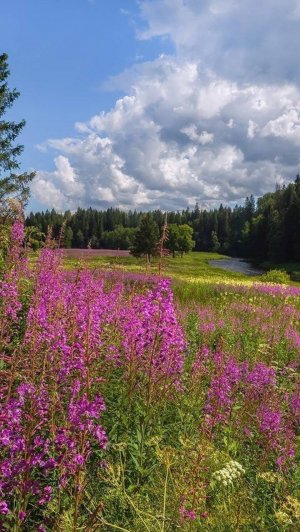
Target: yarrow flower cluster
column 229, row 473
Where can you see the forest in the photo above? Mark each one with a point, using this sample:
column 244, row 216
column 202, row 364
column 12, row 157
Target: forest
column 264, row 230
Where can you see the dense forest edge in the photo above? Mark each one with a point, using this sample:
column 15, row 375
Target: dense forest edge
column 267, row 231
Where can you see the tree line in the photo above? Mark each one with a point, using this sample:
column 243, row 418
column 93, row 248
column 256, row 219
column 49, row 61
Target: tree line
column 265, row 230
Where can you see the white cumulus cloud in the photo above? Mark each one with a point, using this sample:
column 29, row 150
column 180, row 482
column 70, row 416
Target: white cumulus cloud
column 214, row 122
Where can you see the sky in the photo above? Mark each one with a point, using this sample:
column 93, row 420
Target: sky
column 154, row 103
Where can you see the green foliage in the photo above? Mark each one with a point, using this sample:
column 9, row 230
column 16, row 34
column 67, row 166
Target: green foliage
column 34, row 238
column 68, row 237
column 180, row 239
column 120, row 238
column 12, row 184
column 4, row 243
column 173, row 235
column 266, row 231
column 215, row 244
column 276, row 276
column 185, row 239
column 159, row 455
column 79, row 239
column 146, row 238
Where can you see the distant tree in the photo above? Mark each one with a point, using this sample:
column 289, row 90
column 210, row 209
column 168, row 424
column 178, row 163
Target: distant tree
column 120, row 238
column 180, row 238
column 249, row 208
column 146, row 238
column 68, row 240
column 215, row 244
column 223, row 227
column 173, row 238
column 79, row 239
column 12, row 184
column 185, row 239
column 94, row 242
column 264, row 230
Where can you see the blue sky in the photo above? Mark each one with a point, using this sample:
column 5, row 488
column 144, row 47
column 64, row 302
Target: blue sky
column 157, row 103
column 60, row 54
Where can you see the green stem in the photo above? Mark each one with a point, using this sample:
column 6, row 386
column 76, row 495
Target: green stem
column 165, row 499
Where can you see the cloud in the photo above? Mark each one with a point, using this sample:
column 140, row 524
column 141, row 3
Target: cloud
column 203, row 138
column 242, row 40
column 189, row 127
column 286, row 125
column 60, row 188
column 251, row 129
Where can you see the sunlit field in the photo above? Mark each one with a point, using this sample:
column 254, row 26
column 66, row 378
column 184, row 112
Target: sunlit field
column 192, row 266
column 137, row 402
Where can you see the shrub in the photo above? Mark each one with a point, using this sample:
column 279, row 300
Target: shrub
column 276, row 276
column 295, row 276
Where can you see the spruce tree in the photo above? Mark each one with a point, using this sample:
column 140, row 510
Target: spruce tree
column 146, row 238
column 12, row 183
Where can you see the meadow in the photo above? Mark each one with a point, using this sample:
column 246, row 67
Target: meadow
column 137, row 402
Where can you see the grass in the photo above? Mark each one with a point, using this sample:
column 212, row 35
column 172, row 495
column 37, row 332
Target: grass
column 194, row 279
column 193, row 267
column 202, row 399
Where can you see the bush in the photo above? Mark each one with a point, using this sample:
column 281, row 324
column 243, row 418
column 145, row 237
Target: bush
column 295, row 276
column 276, row 276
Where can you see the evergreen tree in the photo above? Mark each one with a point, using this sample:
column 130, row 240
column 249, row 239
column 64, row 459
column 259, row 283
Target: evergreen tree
column 266, row 230
column 12, row 184
column 94, row 242
column 215, row 244
column 68, row 239
column 146, row 238
column 79, row 239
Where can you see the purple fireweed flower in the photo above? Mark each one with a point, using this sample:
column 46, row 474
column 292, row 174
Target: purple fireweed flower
column 188, row 514
column 17, row 232
column 46, row 495
column 269, row 420
column 4, row 508
column 295, row 405
column 261, row 376
column 152, row 340
column 222, row 390
column 294, row 338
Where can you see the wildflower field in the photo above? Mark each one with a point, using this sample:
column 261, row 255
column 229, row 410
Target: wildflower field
column 135, row 402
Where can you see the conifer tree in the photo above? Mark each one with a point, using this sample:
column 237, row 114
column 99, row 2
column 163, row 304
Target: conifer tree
column 146, row 238
column 12, row 184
